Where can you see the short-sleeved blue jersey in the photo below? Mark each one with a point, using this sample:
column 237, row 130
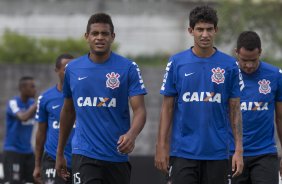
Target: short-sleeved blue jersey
column 49, row 105
column 18, row 133
column 100, row 93
column 202, row 88
column 260, row 91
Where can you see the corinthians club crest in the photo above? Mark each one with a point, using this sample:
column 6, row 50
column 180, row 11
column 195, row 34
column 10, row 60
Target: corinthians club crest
column 112, row 80
column 264, row 86
column 218, row 75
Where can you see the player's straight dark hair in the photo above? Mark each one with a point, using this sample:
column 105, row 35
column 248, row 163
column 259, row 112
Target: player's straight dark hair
column 249, row 40
column 204, row 14
column 61, row 57
column 24, row 79
column 100, row 18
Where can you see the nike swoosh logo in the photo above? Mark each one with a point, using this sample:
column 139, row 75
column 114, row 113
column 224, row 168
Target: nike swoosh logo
column 55, row 106
column 81, row 78
column 187, row 74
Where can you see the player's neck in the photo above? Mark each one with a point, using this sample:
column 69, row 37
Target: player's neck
column 24, row 98
column 204, row 53
column 59, row 86
column 96, row 58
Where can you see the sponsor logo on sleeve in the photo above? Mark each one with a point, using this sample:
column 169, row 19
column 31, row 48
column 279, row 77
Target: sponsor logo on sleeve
column 166, row 74
column 139, row 75
column 14, row 106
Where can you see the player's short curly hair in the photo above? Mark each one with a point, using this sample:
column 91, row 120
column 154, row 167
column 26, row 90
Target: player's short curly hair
column 205, row 14
column 60, row 58
column 100, row 18
column 22, row 81
column 250, row 40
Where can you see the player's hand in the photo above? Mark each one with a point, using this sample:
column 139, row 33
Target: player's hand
column 126, row 143
column 61, row 167
column 37, row 175
column 162, row 158
column 237, row 164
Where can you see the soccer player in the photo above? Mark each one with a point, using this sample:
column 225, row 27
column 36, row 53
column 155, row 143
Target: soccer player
column 97, row 88
column 261, row 99
column 201, row 100
column 18, row 152
column 50, row 104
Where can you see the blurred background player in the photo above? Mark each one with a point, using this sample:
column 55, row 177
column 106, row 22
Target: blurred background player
column 18, row 152
column 97, row 88
column 201, row 100
column 50, row 104
column 261, row 100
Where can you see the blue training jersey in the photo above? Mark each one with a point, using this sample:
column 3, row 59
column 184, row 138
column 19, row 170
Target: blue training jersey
column 100, row 93
column 49, row 105
column 18, row 133
column 202, row 88
column 260, row 91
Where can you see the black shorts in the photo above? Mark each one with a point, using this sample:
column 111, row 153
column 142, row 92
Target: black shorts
column 91, row 171
column 48, row 171
column 18, row 167
column 187, row 171
column 261, row 169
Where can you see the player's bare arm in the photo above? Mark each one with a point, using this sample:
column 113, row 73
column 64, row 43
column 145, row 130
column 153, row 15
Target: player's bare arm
column 39, row 148
column 162, row 146
column 26, row 115
column 278, row 120
column 67, row 118
column 236, row 124
column 126, row 142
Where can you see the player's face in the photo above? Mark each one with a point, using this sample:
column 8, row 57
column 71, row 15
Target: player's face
column 248, row 60
column 61, row 71
column 29, row 89
column 204, row 34
column 100, row 38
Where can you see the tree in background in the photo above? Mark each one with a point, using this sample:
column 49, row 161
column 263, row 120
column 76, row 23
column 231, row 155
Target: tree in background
column 17, row 48
column 262, row 16
column 21, row 49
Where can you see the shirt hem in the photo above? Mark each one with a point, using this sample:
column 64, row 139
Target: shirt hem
column 18, row 151
column 201, row 157
column 109, row 158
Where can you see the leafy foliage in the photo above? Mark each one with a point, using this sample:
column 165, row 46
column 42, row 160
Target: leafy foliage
column 17, row 48
column 151, row 60
column 263, row 17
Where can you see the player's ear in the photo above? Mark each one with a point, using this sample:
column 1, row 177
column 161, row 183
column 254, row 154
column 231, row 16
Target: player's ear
column 236, row 51
column 86, row 36
column 260, row 50
column 190, row 30
column 113, row 36
column 216, row 29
